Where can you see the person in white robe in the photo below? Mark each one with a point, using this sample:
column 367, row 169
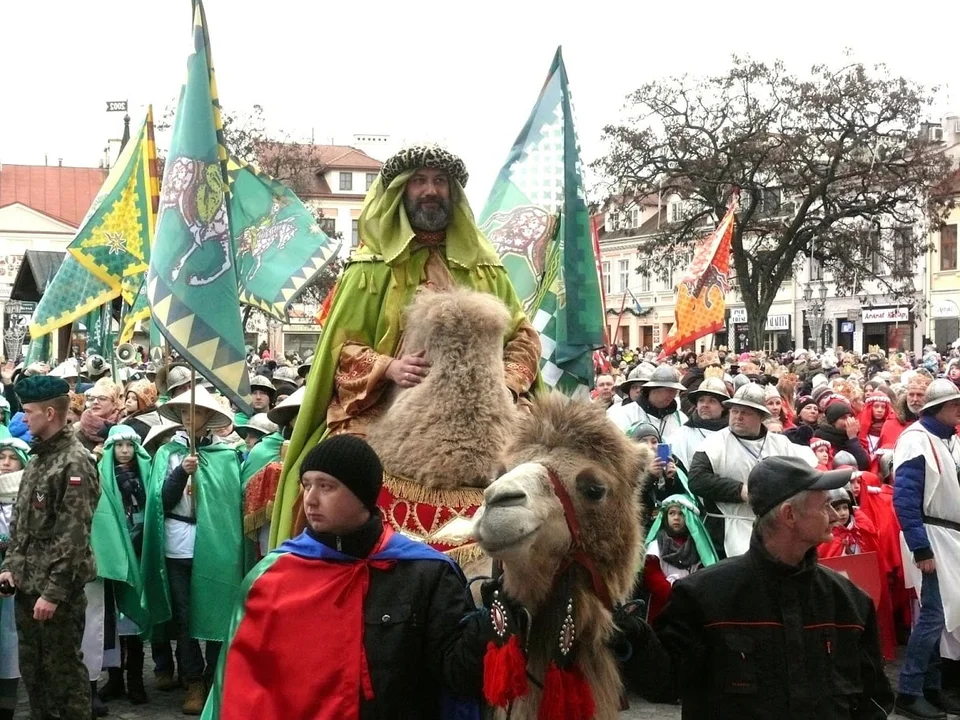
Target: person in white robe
column 719, row 470
column 656, row 403
column 709, row 417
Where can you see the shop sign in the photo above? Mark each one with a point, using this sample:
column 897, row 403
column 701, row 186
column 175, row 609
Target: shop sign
column 777, row 322
column 945, row 309
column 847, row 327
column 886, row 315
column 738, row 315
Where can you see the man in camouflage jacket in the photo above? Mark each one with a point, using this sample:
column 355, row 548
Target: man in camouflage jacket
column 49, row 559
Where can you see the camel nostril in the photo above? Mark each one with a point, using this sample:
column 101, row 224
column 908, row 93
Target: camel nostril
column 511, row 498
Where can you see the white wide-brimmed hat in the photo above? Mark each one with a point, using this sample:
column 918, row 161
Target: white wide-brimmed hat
column 178, row 409
column 259, row 423
column 287, row 408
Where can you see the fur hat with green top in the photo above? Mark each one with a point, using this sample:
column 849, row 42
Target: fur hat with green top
column 121, row 433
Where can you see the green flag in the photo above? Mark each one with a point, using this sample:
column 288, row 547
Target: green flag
column 38, row 350
column 192, row 280
column 280, row 246
column 537, row 218
column 114, row 242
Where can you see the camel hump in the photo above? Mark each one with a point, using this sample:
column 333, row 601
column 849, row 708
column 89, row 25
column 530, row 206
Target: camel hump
column 461, row 313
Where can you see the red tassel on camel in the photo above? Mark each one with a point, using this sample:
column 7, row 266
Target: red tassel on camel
column 566, row 694
column 504, row 673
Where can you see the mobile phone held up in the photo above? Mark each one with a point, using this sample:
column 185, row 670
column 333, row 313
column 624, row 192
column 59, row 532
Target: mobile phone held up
column 663, row 452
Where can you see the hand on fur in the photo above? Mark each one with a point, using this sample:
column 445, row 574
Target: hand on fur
column 408, row 370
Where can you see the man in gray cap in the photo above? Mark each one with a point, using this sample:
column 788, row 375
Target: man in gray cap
column 720, row 468
column 770, row 634
column 656, row 402
column 926, row 497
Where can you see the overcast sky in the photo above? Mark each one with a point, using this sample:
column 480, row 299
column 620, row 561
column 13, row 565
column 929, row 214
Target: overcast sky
column 462, row 73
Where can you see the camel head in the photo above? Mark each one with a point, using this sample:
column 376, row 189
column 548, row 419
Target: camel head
column 568, row 471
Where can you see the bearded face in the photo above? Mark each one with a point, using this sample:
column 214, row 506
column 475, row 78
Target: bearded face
column 427, row 200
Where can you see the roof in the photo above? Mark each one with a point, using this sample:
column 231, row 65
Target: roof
column 35, row 273
column 301, row 166
column 63, row 193
column 650, row 226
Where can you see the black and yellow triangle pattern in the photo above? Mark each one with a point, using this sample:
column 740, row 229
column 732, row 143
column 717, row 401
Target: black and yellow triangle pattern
column 199, row 343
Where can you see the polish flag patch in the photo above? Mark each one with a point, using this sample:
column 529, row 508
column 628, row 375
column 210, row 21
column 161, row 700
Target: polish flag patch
column 75, row 480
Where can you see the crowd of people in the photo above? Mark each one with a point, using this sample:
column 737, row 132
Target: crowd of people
column 712, row 418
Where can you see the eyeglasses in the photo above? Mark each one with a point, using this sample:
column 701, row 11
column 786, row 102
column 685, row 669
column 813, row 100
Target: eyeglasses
column 100, row 398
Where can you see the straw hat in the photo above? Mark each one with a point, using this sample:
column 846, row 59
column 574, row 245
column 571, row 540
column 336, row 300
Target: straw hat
column 287, row 409
column 157, row 432
column 67, row 369
column 178, row 409
column 258, row 423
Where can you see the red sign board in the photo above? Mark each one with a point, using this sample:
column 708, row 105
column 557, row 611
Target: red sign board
column 862, row 570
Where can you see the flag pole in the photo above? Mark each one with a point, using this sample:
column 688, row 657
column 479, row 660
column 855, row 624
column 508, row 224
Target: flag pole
column 193, row 410
column 616, row 329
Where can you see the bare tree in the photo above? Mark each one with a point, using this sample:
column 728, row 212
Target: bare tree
column 832, row 166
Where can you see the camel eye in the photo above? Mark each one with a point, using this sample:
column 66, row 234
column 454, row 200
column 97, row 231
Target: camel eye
column 590, row 486
column 595, row 492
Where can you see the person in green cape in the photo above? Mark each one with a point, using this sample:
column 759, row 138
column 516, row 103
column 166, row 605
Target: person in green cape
column 677, row 545
column 192, row 545
column 117, row 540
column 416, row 229
column 13, row 458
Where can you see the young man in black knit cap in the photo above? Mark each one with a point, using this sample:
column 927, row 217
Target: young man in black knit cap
column 350, row 619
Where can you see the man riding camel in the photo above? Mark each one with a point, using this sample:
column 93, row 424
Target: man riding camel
column 416, row 229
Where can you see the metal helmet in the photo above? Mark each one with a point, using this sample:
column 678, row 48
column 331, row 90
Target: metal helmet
column 939, row 392
column 750, row 396
column 640, row 375
column 665, row 376
column 710, row 386
column 260, row 382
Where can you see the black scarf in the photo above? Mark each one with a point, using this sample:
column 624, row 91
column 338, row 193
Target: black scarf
column 659, row 413
column 837, row 437
column 720, row 423
column 683, row 555
column 359, row 543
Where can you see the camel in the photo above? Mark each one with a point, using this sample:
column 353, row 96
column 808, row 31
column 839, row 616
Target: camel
column 447, row 432
column 580, row 561
column 440, row 441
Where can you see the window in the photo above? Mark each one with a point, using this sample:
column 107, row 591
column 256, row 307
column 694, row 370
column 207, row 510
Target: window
column 675, row 211
column 328, row 225
column 606, row 277
column 613, row 221
column 623, row 267
column 371, row 179
column 770, row 201
column 816, row 269
column 902, row 253
column 635, row 217
column 645, row 282
column 666, row 278
column 948, row 247
column 355, row 229
column 346, row 181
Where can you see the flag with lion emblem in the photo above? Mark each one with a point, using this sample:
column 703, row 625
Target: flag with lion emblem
column 192, row 279
column 701, row 295
column 537, row 218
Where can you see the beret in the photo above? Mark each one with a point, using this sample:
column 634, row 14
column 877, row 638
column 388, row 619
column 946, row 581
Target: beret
column 38, row 388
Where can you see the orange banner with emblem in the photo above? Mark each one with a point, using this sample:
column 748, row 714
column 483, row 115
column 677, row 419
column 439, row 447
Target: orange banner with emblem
column 701, row 294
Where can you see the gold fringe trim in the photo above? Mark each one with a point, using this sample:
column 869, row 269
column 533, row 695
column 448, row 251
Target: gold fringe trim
column 403, row 489
column 465, row 554
column 256, row 520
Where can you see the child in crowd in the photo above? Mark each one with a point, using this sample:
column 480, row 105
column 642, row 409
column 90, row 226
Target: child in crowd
column 677, row 545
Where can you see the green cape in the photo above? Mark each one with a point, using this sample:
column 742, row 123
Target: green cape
column 218, row 557
column 378, row 283
column 110, row 539
column 264, row 452
column 708, row 555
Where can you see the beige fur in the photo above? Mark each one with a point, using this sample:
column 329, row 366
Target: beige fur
column 448, row 431
column 585, row 450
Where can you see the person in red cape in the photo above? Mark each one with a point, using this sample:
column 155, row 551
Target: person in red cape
column 876, row 409
column 906, row 411
column 351, row 620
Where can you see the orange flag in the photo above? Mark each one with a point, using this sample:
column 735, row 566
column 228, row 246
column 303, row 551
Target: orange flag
column 701, row 295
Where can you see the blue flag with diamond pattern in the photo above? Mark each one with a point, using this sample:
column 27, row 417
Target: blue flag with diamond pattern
column 537, row 218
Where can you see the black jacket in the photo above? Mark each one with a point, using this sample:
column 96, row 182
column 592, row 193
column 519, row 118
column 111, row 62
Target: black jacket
column 751, row 637
column 839, row 440
column 419, row 634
